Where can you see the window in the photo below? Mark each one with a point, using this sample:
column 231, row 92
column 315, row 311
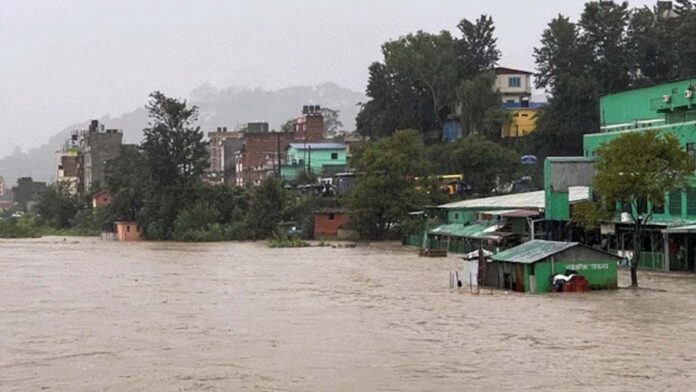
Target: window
column 690, row 150
column 675, row 203
column 525, row 115
column 456, row 216
column 137, row 228
column 334, row 156
column 691, row 201
column 514, row 81
column 128, row 229
column 332, row 216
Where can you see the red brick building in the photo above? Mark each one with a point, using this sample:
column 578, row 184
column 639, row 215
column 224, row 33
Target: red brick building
column 328, row 222
column 263, row 152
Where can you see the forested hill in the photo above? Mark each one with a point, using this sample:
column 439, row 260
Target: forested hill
column 218, row 107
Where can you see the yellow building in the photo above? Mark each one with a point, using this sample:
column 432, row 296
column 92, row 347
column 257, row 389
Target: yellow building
column 515, row 88
column 522, row 122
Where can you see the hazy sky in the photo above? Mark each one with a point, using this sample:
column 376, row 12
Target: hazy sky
column 63, row 62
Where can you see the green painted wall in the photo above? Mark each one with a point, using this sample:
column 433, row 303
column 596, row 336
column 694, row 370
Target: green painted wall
column 600, row 273
column 318, row 158
column 686, row 134
column 645, row 103
column 460, row 216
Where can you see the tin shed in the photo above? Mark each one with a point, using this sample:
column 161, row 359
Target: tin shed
column 530, row 267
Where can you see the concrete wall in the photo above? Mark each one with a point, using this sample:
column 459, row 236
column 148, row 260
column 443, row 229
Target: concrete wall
column 128, row 231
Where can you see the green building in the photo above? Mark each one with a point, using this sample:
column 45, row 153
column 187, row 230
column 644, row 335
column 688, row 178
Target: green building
column 493, row 223
column 322, row 159
column 670, row 244
column 531, row 266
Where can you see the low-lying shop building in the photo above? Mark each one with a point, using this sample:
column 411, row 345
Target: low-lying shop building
column 530, row 267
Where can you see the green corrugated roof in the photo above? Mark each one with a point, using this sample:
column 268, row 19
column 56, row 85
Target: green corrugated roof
column 532, row 251
column 477, row 230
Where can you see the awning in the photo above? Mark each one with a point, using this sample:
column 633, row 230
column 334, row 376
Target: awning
column 513, row 213
column 475, row 231
column 685, row 229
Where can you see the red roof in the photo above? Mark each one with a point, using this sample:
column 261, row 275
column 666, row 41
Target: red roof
column 509, row 71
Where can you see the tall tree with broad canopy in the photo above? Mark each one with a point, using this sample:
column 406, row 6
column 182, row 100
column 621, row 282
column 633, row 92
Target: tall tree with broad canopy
column 389, row 172
column 175, row 157
column 477, row 49
column 638, row 168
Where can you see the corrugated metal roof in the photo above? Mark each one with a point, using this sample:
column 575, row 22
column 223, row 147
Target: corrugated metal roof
column 528, row 200
column 318, row 146
column 476, row 231
column 513, row 213
column 685, row 229
column 533, row 251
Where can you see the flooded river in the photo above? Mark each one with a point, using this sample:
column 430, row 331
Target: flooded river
column 85, row 315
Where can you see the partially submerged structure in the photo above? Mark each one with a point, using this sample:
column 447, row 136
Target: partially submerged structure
column 530, row 267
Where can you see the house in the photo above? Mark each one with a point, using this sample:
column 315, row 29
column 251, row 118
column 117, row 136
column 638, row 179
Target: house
column 515, row 87
column 262, row 152
column 101, row 199
column 331, row 223
column 530, row 267
column 322, row 159
column 128, row 231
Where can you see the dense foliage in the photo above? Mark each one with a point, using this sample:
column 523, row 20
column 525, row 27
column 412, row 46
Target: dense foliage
column 641, row 183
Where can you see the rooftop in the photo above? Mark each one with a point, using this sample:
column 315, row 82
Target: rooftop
column 318, row 146
column 533, row 251
column 506, row 71
column 486, row 231
column 527, row 200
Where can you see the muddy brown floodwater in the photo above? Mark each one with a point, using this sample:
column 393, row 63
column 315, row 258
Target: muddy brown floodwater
column 85, row 315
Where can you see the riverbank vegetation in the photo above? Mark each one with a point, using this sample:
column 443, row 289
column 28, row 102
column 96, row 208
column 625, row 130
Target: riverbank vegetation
column 425, row 84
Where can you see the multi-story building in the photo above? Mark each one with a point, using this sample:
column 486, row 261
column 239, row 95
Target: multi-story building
column 69, row 164
column 262, row 153
column 3, row 190
column 98, row 146
column 667, row 107
column 222, row 149
column 321, row 159
column 28, row 192
column 515, row 87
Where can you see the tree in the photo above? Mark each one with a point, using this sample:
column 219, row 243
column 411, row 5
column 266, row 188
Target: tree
column 127, row 180
column 389, row 172
column 332, row 122
column 428, row 64
column 58, row 205
column 483, row 163
column 562, row 62
column 652, row 44
column 266, row 206
column 477, row 49
column 175, row 157
column 480, row 106
column 604, row 35
column 641, row 183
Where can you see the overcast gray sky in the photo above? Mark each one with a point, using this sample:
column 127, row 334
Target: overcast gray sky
column 63, row 61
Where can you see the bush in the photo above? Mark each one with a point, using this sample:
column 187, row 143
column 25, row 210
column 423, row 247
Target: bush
column 13, row 228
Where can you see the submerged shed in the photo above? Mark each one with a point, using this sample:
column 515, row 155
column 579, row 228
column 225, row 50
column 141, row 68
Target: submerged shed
column 530, row 267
